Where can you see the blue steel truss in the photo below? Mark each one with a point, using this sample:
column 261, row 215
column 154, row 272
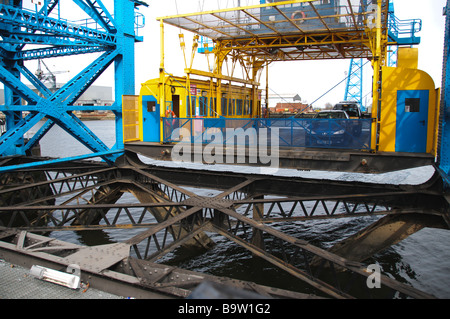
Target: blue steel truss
column 30, row 35
column 353, row 89
column 443, row 159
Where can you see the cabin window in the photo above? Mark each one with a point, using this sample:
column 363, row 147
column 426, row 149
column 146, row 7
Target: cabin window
column 224, row 106
column 412, row 105
column 239, row 107
column 151, row 106
column 230, row 107
column 203, row 104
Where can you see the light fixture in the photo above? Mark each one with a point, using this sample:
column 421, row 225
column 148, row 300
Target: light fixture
column 70, row 280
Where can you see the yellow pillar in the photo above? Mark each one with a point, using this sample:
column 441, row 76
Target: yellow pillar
column 162, row 89
column 256, row 67
column 377, row 53
column 219, row 57
column 267, row 89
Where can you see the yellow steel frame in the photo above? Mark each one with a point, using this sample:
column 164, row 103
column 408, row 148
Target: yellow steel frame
column 237, row 39
column 348, row 42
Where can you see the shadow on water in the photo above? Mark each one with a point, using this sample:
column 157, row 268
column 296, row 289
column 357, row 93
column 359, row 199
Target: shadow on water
column 94, row 237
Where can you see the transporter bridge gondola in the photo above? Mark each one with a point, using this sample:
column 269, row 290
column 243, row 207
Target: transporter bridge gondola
column 400, row 131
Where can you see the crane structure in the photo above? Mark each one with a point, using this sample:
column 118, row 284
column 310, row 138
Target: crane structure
column 354, row 86
column 41, row 34
column 47, row 77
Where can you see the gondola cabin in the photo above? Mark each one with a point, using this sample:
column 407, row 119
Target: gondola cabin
column 182, row 99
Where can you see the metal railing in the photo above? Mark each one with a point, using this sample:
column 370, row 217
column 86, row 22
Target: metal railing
column 404, row 30
column 286, row 132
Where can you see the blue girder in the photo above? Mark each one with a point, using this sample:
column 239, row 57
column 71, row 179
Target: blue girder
column 353, row 89
column 59, row 51
column 34, row 80
column 72, row 90
column 443, row 158
column 116, row 153
column 98, row 12
column 31, row 21
column 20, row 28
column 403, row 32
column 14, row 83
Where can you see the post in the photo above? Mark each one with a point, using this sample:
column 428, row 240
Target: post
column 124, row 62
column 258, row 213
column 376, row 89
column 267, row 89
column 162, row 87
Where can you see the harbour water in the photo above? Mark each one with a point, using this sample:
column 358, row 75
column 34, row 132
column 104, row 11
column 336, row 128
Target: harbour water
column 422, row 260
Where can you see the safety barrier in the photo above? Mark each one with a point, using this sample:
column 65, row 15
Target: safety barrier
column 288, row 132
column 404, row 31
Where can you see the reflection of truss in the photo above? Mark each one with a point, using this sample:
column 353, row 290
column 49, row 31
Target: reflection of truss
column 85, row 196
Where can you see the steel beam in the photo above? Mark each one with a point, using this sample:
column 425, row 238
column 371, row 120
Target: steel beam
column 385, row 233
column 305, row 158
column 21, row 27
column 242, row 208
column 128, row 277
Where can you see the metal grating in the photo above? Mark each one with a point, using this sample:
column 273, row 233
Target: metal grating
column 285, row 17
column 290, row 30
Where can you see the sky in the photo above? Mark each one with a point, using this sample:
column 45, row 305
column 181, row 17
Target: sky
column 309, row 79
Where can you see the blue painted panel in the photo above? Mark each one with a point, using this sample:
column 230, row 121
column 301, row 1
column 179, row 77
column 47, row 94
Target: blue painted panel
column 214, row 122
column 412, row 121
column 444, row 129
column 151, row 118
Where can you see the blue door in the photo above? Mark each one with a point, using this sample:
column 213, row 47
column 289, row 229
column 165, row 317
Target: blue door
column 151, row 119
column 412, row 121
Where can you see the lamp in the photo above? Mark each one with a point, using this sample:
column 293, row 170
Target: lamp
column 57, row 277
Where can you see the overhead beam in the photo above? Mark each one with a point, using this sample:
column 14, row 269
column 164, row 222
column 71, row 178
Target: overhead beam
column 98, row 12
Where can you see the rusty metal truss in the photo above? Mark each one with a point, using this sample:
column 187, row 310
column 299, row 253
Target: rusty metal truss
column 169, row 214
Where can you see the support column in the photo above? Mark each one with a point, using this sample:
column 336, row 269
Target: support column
column 256, row 67
column 219, row 56
column 258, row 213
column 124, row 62
column 377, row 62
column 162, row 81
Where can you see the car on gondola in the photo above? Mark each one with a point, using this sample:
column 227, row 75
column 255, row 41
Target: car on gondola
column 328, row 128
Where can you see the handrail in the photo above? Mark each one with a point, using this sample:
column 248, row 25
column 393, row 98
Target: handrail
column 290, row 132
column 407, row 27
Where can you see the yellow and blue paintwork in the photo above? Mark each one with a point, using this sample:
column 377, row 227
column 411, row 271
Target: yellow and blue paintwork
column 409, row 107
column 198, row 99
